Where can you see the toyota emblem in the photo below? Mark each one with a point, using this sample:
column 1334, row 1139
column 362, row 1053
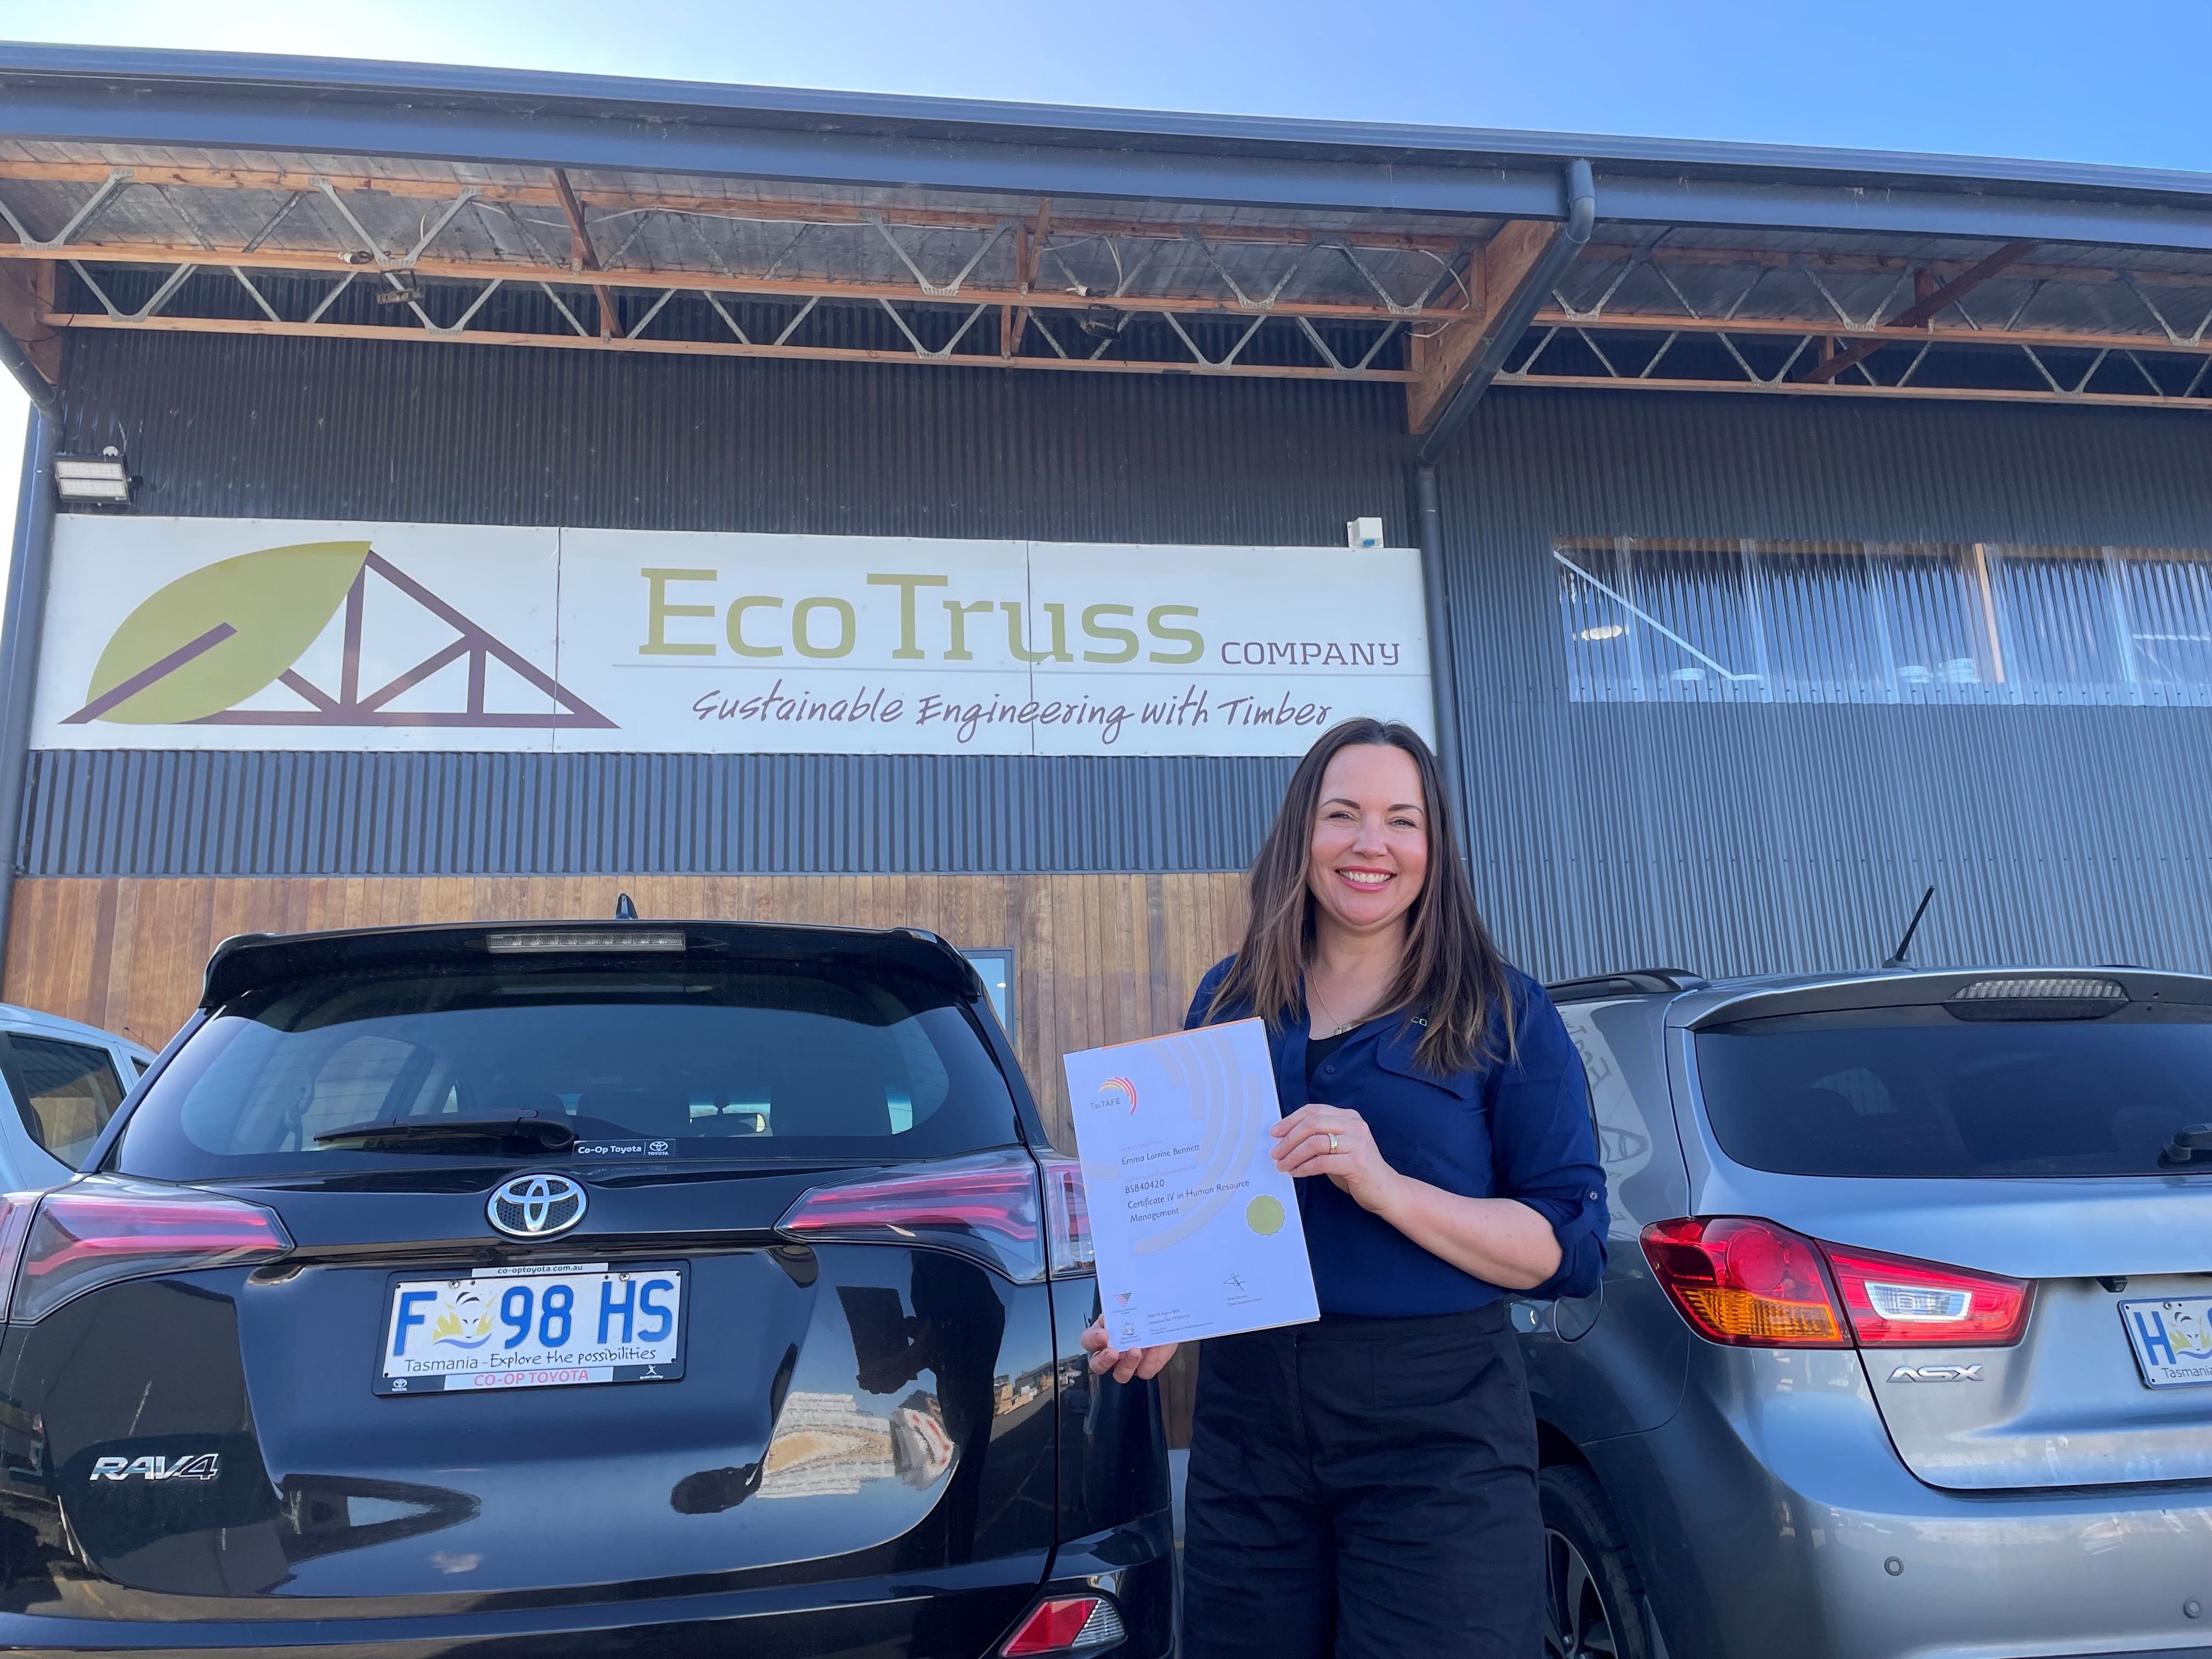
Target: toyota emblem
column 535, row 1205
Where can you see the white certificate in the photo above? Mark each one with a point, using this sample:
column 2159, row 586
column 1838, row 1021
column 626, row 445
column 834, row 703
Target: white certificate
column 1196, row 1230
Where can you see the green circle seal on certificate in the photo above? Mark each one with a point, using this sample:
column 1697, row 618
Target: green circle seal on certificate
column 1264, row 1214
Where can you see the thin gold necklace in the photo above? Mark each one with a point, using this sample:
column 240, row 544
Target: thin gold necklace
column 1328, row 1013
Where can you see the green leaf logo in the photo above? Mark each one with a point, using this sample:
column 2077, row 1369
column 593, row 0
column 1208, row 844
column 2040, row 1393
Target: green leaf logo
column 215, row 637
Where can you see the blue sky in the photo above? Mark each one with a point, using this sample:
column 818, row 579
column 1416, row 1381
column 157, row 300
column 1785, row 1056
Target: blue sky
column 2027, row 78
column 2032, row 78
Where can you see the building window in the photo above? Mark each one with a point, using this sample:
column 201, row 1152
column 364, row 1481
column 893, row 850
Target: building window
column 997, row 968
column 1660, row 620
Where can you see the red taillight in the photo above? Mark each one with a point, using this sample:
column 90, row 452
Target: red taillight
column 1067, row 1216
column 1895, row 1302
column 1751, row 1284
column 1068, row 1624
column 16, row 1210
column 99, row 1229
column 985, row 1206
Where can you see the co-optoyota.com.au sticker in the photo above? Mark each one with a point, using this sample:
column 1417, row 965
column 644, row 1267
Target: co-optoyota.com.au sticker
column 622, row 1149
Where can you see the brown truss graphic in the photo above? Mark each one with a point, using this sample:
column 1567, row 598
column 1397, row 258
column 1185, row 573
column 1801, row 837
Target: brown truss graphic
column 349, row 707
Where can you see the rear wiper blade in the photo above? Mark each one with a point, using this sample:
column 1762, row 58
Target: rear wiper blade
column 2190, row 1149
column 542, row 1135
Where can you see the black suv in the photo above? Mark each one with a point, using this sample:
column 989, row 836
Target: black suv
column 546, row 1289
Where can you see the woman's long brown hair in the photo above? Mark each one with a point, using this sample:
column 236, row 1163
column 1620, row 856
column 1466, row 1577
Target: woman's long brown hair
column 1451, row 975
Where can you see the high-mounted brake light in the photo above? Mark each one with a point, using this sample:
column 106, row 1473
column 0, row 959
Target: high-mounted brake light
column 100, row 1229
column 1751, row 1284
column 2037, row 997
column 1066, row 1624
column 1895, row 1302
column 986, row 1207
column 509, row 944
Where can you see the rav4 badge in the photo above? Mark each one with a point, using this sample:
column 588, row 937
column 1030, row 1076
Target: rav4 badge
column 200, row 1466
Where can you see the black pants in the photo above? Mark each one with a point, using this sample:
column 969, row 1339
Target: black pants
column 1362, row 1488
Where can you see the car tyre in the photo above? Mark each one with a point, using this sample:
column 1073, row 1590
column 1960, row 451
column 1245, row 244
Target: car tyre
column 1593, row 1596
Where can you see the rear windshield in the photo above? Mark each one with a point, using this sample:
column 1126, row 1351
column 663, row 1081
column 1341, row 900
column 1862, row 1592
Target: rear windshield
column 1914, row 1092
column 776, row 1062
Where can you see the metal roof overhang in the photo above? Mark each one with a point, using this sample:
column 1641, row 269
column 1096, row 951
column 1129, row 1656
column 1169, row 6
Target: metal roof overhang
column 606, row 122
column 1105, row 241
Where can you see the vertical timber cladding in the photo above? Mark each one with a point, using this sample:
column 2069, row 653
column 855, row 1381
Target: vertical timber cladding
column 1751, row 834
column 1084, row 863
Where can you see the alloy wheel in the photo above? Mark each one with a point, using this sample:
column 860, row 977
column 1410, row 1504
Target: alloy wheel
column 1577, row 1623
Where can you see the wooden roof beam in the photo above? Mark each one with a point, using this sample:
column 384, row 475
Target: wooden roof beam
column 1882, row 264
column 27, row 295
column 1498, row 271
column 1639, row 322
column 582, row 256
column 1029, row 254
column 1923, row 310
column 317, row 263
column 262, row 327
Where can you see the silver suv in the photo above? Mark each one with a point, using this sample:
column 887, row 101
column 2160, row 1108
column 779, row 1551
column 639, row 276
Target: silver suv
column 1905, row 1346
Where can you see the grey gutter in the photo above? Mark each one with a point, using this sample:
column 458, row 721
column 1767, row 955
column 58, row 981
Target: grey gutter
column 1443, row 680
column 434, row 112
column 20, row 630
column 1581, row 195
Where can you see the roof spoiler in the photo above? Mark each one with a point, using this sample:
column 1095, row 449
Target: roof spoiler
column 1632, row 982
column 248, row 961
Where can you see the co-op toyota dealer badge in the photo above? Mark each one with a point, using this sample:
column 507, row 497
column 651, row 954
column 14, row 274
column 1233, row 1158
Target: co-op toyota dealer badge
column 535, row 1205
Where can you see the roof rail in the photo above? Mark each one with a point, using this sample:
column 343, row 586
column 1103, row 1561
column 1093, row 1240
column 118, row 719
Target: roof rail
column 1632, row 982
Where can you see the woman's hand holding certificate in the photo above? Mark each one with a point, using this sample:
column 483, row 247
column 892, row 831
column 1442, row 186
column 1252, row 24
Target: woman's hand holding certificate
column 1336, row 1141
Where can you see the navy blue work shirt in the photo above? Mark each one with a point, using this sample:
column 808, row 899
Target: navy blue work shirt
column 1517, row 1129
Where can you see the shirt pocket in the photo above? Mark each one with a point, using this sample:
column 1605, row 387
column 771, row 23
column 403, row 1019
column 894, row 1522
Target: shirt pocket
column 1434, row 1128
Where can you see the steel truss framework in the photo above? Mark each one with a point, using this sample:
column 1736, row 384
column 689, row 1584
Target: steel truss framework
column 648, row 269
column 1074, row 287
column 1704, row 319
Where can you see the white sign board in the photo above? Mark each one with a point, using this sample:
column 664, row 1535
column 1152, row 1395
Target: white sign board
column 1196, row 1230
column 266, row 633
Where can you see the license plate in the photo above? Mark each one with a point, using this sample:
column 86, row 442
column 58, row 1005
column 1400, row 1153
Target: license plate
column 2173, row 1340
column 534, row 1327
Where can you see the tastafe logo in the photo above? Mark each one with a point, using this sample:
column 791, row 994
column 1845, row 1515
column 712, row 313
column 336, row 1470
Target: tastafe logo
column 216, row 636
column 1115, row 1091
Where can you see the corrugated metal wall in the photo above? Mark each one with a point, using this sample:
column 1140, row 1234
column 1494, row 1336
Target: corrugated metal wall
column 1729, row 838
column 290, row 813
column 1736, row 838
column 489, row 434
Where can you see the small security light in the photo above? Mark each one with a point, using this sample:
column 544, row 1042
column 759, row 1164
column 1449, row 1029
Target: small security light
column 102, row 477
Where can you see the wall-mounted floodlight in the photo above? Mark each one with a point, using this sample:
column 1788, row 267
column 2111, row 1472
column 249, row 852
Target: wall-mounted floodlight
column 102, row 477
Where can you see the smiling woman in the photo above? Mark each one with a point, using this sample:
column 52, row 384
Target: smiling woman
column 1365, row 1484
